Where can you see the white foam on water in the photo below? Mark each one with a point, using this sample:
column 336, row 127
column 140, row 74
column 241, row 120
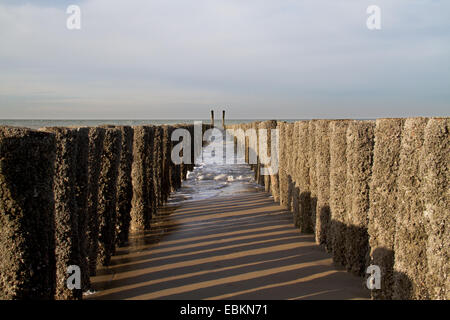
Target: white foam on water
column 221, row 177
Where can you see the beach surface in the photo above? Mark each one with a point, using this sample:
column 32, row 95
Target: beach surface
column 228, row 247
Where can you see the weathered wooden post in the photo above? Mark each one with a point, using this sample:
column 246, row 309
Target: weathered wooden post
column 27, row 230
column 212, row 118
column 223, row 119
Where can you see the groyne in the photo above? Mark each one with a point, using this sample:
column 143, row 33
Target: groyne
column 69, row 196
column 373, row 193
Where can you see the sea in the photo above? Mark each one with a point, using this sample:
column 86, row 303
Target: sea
column 216, row 176
column 39, row 123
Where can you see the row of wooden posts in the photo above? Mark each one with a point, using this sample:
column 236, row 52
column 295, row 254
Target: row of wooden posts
column 70, row 196
column 372, row 193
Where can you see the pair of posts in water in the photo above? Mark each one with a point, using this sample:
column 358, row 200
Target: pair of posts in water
column 223, row 118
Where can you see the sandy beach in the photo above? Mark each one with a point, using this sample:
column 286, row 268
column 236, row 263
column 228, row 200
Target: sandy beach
column 232, row 247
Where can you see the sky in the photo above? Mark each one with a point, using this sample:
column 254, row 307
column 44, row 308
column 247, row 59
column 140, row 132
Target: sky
column 179, row 59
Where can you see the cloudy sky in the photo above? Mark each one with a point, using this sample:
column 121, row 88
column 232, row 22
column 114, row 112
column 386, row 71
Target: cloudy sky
column 177, row 59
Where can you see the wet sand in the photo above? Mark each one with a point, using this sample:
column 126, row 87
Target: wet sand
column 234, row 247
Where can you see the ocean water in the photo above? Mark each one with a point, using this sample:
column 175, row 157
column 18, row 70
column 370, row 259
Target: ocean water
column 214, row 177
column 39, row 123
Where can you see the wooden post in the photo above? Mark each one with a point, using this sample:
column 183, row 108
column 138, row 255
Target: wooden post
column 223, row 119
column 212, row 118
